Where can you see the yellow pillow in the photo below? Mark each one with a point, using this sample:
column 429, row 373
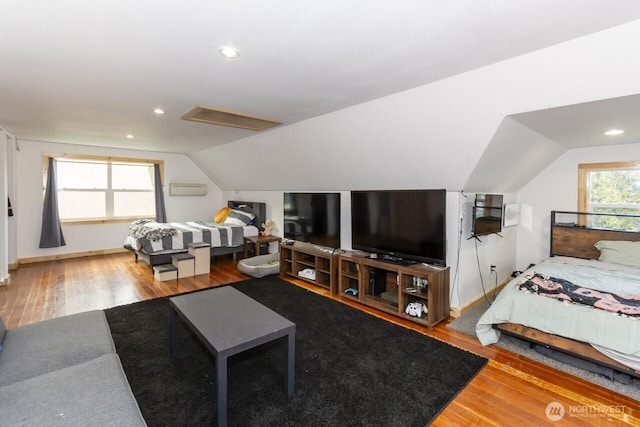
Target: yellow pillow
column 222, row 214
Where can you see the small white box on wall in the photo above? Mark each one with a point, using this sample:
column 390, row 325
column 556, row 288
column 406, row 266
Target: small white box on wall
column 181, row 189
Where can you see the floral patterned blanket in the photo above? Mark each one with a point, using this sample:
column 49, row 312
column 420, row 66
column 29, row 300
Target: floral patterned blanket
column 564, row 290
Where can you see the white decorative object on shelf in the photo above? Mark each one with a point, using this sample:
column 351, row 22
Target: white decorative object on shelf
column 308, row 273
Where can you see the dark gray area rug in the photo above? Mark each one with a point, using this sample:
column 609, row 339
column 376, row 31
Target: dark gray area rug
column 352, row 369
column 466, row 324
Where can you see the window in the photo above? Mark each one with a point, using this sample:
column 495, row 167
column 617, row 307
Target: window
column 610, row 188
column 104, row 189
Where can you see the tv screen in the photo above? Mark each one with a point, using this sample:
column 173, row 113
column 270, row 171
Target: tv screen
column 487, row 214
column 407, row 224
column 313, row 218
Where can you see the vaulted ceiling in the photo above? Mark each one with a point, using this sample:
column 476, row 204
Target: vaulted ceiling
column 90, row 73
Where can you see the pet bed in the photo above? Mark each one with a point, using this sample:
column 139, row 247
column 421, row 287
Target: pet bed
column 260, row 266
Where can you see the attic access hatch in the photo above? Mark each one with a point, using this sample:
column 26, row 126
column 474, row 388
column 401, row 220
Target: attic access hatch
column 227, row 118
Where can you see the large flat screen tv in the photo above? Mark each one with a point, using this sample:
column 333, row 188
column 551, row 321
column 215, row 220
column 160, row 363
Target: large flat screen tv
column 487, row 214
column 313, row 218
column 400, row 224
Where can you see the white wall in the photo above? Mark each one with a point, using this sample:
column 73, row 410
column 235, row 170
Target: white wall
column 13, row 195
column 556, row 188
column 512, row 158
column 4, row 218
column 83, row 238
column 471, row 275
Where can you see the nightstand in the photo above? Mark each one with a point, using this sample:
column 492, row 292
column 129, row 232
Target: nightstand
column 257, row 241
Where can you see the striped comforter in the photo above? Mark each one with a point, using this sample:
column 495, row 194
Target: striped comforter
column 153, row 237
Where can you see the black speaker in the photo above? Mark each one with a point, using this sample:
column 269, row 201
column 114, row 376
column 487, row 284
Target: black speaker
column 377, row 281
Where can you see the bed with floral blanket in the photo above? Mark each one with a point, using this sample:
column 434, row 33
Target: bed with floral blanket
column 155, row 242
column 588, row 308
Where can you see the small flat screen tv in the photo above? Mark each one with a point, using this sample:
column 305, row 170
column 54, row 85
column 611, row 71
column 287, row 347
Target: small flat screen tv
column 487, row 214
column 400, row 224
column 313, row 218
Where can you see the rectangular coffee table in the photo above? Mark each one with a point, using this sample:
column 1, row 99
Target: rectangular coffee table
column 228, row 322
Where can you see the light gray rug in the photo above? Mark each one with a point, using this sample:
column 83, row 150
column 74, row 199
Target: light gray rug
column 466, row 324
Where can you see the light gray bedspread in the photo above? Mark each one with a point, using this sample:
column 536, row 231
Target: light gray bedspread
column 580, row 322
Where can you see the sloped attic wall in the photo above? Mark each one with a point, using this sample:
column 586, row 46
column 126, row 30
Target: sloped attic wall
column 431, row 136
column 519, row 152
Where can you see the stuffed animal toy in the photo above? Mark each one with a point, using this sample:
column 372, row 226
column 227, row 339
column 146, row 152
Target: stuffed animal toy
column 268, row 227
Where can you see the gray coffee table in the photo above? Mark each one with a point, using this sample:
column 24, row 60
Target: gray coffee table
column 228, row 322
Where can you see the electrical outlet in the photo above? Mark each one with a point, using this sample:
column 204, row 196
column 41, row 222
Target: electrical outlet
column 493, row 268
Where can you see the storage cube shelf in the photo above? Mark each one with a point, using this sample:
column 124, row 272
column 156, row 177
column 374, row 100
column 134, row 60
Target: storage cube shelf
column 304, row 257
column 185, row 264
column 391, row 288
column 165, row 272
column 202, row 253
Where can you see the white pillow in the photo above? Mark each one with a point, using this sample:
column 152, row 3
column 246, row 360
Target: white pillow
column 239, row 217
column 619, row 252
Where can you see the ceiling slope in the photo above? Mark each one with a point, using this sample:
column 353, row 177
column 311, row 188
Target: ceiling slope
column 458, row 133
column 92, row 72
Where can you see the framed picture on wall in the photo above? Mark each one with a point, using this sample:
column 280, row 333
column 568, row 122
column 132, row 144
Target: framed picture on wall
column 511, row 214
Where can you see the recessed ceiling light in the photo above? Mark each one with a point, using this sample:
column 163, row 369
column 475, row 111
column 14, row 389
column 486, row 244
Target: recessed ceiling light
column 129, row 136
column 613, row 132
column 229, row 52
column 158, row 111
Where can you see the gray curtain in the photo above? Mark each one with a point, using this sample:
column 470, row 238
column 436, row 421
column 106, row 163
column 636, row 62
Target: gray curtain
column 51, row 235
column 161, row 213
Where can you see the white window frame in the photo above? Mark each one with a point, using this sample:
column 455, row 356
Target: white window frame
column 110, row 192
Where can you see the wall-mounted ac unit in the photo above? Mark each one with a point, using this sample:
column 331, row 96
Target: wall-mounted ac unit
column 177, row 189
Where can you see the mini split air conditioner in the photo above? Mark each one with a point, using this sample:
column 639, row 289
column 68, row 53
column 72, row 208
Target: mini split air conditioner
column 176, row 189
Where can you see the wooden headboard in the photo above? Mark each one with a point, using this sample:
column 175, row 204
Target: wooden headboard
column 573, row 235
column 260, row 209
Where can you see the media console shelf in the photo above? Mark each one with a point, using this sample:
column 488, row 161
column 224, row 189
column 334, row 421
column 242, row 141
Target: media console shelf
column 391, row 287
column 299, row 256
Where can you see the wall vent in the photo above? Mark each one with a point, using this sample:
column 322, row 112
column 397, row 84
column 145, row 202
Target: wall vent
column 177, row 189
column 227, row 118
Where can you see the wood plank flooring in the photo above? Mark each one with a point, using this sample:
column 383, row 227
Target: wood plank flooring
column 511, row 390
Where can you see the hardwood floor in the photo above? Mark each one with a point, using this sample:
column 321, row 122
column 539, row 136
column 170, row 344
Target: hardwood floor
column 510, row 390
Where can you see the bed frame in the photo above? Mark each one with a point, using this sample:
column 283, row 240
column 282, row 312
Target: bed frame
column 576, row 238
column 259, row 208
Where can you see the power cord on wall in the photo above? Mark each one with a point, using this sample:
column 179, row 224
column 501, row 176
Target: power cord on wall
column 484, row 291
column 456, row 286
